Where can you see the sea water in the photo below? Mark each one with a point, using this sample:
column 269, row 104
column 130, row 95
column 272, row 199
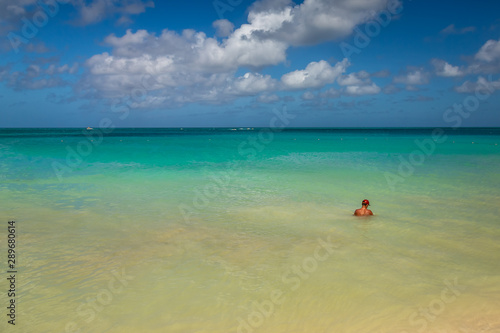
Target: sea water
column 251, row 230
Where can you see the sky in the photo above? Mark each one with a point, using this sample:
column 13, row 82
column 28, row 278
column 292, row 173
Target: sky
column 238, row 63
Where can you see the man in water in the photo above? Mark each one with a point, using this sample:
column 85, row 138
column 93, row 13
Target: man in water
column 363, row 211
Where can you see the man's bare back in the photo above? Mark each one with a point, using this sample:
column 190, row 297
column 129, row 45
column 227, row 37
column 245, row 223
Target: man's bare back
column 363, row 211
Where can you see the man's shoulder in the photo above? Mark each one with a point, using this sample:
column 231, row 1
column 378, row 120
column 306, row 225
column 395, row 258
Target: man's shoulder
column 361, row 212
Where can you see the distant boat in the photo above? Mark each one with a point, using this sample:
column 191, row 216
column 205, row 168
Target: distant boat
column 89, row 128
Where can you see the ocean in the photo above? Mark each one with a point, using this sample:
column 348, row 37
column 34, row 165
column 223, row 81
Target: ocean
column 251, row 230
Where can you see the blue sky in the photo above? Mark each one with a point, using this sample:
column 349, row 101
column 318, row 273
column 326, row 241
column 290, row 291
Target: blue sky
column 337, row 63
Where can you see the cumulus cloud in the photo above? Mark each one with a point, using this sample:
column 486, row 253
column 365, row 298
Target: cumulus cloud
column 487, row 59
column 315, row 75
column 358, row 90
column 272, row 27
column 358, row 84
column 442, row 68
column 482, row 85
column 412, row 78
column 353, row 84
column 223, row 27
column 252, row 84
column 191, row 67
column 489, row 52
column 198, row 50
column 359, row 78
column 106, row 64
column 186, row 67
column 313, row 21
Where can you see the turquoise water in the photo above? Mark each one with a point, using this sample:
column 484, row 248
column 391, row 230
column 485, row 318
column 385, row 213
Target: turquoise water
column 251, row 230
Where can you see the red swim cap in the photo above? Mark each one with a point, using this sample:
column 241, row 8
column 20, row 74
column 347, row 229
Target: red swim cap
column 366, row 202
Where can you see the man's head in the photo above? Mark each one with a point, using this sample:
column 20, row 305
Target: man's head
column 365, row 203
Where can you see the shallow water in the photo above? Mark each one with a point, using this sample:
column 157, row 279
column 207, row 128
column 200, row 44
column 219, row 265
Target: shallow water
column 252, row 231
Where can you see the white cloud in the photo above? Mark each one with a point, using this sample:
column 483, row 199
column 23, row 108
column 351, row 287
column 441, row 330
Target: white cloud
column 450, row 71
column 200, row 69
column 313, row 21
column 359, row 78
column 191, row 67
column 223, row 27
column 126, row 45
column 358, row 90
column 487, row 59
column 358, row 84
column 205, row 54
column 252, row 84
column 106, row 64
column 489, row 52
column 315, row 75
column 442, row 68
column 413, row 77
column 242, row 49
column 482, row 84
